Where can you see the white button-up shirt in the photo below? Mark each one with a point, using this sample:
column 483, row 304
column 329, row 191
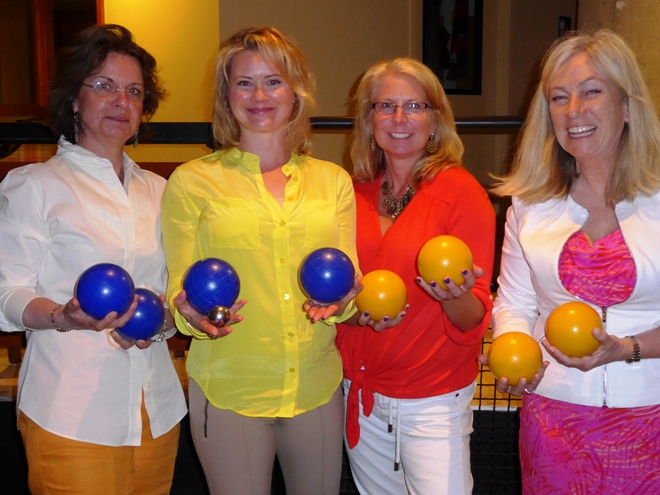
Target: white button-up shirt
column 57, row 219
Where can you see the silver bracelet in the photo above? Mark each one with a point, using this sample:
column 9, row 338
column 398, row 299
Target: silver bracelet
column 52, row 320
column 161, row 336
column 636, row 355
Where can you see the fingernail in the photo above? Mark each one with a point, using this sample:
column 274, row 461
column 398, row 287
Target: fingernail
column 447, row 280
column 464, row 272
column 386, row 318
column 434, row 284
column 418, row 280
column 367, row 314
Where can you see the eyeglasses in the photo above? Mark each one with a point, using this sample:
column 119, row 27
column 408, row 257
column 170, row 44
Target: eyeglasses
column 410, row 108
column 105, row 88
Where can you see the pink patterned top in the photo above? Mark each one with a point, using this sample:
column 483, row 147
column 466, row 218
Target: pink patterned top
column 602, row 274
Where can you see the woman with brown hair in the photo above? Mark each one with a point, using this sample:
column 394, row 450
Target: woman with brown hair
column 97, row 413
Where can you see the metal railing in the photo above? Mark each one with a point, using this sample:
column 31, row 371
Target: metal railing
column 17, row 133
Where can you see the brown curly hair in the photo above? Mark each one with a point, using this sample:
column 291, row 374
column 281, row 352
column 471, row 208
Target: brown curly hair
column 88, row 54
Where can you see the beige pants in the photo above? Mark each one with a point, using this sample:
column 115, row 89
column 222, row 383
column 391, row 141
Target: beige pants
column 58, row 465
column 237, row 452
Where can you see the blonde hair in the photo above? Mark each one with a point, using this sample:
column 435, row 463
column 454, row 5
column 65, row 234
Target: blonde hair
column 287, row 58
column 368, row 164
column 543, row 170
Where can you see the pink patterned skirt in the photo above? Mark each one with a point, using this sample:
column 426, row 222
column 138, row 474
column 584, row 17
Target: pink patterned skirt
column 571, row 449
column 568, row 449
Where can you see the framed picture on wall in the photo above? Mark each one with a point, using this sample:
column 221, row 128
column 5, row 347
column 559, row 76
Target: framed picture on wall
column 452, row 43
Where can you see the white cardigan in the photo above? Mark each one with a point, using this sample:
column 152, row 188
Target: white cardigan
column 530, row 288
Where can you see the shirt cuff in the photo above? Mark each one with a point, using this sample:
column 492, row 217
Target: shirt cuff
column 187, row 329
column 350, row 310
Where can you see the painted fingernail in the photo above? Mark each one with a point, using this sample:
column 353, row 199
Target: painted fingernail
column 366, row 314
column 418, row 280
column 386, row 318
column 434, row 284
column 464, row 272
column 447, row 280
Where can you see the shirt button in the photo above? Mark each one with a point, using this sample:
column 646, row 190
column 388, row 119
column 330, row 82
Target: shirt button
column 282, row 224
column 292, row 370
column 290, row 334
column 147, row 385
column 282, row 260
column 286, row 297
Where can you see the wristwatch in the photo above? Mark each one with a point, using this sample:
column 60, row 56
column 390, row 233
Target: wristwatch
column 636, row 355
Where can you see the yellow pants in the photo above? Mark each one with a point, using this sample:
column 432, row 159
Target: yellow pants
column 57, row 465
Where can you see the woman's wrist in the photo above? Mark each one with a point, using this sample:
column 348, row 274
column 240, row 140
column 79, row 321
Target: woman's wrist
column 55, row 314
column 636, row 355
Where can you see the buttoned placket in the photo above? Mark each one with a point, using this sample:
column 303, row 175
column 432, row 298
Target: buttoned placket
column 123, row 202
column 280, row 216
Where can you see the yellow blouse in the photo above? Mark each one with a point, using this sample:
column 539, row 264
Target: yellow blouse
column 275, row 363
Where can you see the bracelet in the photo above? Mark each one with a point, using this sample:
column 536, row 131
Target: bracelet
column 636, row 355
column 52, row 320
column 161, row 335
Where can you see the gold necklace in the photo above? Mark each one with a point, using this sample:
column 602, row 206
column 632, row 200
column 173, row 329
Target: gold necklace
column 394, row 206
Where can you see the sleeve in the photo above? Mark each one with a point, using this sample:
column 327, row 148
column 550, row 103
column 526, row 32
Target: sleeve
column 24, row 239
column 473, row 221
column 346, row 216
column 180, row 220
column 515, row 308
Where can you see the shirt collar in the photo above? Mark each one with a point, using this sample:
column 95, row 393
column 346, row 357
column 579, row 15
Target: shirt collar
column 85, row 157
column 233, row 157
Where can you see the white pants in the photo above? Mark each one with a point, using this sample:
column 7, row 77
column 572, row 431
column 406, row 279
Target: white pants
column 434, row 442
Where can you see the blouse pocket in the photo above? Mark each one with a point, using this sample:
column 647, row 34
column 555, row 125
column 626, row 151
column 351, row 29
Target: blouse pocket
column 229, row 223
column 653, row 366
column 322, row 226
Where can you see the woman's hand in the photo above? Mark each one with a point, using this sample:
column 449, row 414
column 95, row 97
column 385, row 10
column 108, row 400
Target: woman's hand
column 142, row 344
column 127, row 344
column 317, row 311
column 611, row 349
column 72, row 317
column 523, row 386
column 202, row 323
column 453, row 291
column 385, row 321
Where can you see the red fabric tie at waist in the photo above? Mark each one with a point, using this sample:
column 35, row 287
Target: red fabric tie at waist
column 353, row 407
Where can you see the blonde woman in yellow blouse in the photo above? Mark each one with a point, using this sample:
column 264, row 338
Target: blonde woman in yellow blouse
column 270, row 385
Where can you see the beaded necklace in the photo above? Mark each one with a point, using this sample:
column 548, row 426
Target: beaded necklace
column 394, row 206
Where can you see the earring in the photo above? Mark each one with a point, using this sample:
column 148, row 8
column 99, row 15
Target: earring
column 135, row 139
column 76, row 127
column 372, row 143
column 431, row 145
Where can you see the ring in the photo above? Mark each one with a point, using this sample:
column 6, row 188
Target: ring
column 527, row 391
